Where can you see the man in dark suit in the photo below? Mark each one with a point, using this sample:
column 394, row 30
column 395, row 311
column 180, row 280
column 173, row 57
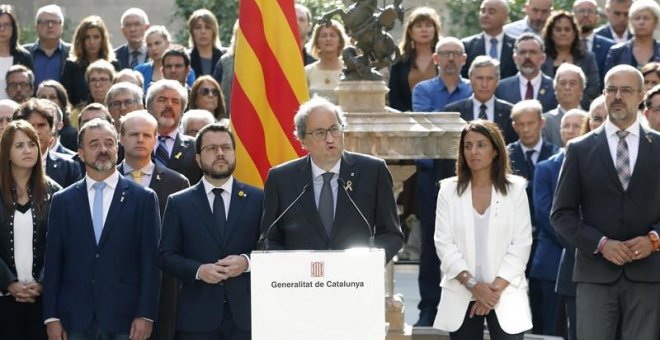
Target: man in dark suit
column 41, row 114
column 304, row 19
column 607, row 205
column 166, row 100
column 101, row 277
column 529, row 82
column 138, row 136
column 586, row 14
column 209, row 231
column 484, row 76
column 326, row 181
column 134, row 23
column 569, row 85
column 616, row 28
column 492, row 41
column 524, row 154
column 49, row 52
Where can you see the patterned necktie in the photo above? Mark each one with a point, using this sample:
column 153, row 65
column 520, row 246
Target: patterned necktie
column 134, row 58
column 482, row 112
column 585, row 44
column 530, row 164
column 161, row 151
column 219, row 210
column 493, row 49
column 137, row 176
column 326, row 203
column 623, row 159
column 530, row 91
column 97, row 210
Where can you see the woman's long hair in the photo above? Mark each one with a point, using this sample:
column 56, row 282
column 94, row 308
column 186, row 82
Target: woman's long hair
column 407, row 45
column 220, row 112
column 550, row 49
column 8, row 10
column 78, row 53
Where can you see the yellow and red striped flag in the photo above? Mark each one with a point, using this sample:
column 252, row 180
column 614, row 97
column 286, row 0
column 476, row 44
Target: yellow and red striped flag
column 269, row 85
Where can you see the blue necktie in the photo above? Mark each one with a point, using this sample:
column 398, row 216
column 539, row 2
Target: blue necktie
column 97, row 210
column 134, row 58
column 161, row 151
column 493, row 48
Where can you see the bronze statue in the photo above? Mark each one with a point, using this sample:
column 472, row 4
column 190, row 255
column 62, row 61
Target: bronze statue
column 368, row 25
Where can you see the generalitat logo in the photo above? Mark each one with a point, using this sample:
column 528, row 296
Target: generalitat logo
column 317, row 268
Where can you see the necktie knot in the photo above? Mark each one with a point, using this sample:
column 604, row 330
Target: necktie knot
column 136, row 175
column 99, row 186
column 218, row 191
column 163, row 138
column 327, row 177
column 529, row 154
column 622, row 133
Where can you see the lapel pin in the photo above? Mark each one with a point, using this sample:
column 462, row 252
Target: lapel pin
column 158, row 177
column 122, row 196
column 349, row 185
column 541, row 92
column 242, row 194
column 648, row 139
column 178, row 155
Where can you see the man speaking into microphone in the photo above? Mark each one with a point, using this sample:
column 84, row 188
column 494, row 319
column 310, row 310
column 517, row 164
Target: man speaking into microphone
column 330, row 199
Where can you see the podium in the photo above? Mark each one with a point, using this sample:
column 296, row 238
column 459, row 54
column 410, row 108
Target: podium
column 318, row 295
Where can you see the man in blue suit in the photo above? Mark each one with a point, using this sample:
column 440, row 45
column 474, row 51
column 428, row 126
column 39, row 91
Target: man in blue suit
column 134, row 23
column 586, row 14
column 529, row 82
column 616, row 28
column 101, row 277
column 209, row 231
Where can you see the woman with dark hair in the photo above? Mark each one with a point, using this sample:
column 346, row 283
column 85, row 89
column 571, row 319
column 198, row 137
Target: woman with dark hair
column 56, row 93
column 91, row 42
column 25, row 194
column 206, row 94
column 642, row 48
column 204, row 41
column 422, row 31
column 562, row 45
column 483, row 236
column 11, row 53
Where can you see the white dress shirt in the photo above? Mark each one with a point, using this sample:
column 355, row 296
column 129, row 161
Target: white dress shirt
column 108, row 192
column 536, row 84
column 317, row 176
column 147, row 173
column 632, row 140
column 536, row 148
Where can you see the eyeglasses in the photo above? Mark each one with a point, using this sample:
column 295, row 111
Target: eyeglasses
column 15, row 86
column 99, row 80
column 585, row 11
column 208, row 92
column 213, row 148
column 117, row 104
column 49, row 22
column 322, row 134
column 447, row 54
column 626, row 91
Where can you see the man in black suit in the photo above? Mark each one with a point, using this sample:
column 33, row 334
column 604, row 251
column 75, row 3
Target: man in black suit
column 304, row 19
column 484, row 75
column 166, row 100
column 134, row 23
column 209, row 231
column 607, row 204
column 49, row 52
column 41, row 114
column 586, row 14
column 569, row 84
column 616, row 28
column 527, row 117
column 325, row 182
column 492, row 41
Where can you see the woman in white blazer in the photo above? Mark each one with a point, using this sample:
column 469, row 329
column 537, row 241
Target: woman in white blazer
column 483, row 236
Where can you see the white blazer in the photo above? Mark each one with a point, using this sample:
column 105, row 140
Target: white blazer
column 509, row 245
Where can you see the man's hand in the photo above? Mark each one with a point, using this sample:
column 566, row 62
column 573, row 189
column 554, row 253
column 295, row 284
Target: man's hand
column 55, row 331
column 22, row 292
column 212, row 273
column 617, row 252
column 234, row 265
column 140, row 329
column 641, row 247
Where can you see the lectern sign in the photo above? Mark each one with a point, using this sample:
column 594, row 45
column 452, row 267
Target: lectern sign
column 318, row 295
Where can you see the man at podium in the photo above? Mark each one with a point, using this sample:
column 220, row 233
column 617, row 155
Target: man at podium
column 331, row 198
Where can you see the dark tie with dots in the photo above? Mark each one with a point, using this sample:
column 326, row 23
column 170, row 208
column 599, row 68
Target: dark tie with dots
column 219, row 210
column 326, row 203
column 530, row 91
column 482, row 112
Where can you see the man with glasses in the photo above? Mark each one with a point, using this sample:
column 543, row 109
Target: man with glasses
column 20, row 83
column 537, row 13
column 49, row 52
column 134, row 23
column 586, row 14
column 328, row 181
column 616, row 28
column 529, row 82
column 121, row 99
column 607, row 204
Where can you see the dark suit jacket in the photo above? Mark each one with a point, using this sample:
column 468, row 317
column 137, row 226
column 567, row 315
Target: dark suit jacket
column 182, row 158
column 509, row 90
column 622, row 53
column 62, row 169
column 400, row 94
column 590, row 203
column 301, row 227
column 519, row 167
column 196, row 63
column 110, row 283
column 600, row 49
column 7, row 261
column 73, row 79
column 64, row 53
column 164, row 182
column 476, row 46
column 604, row 31
column 23, row 57
column 191, row 238
column 502, row 115
column 588, row 65
column 123, row 57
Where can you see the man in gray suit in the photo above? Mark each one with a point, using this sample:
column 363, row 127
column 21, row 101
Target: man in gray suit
column 569, row 84
column 607, row 204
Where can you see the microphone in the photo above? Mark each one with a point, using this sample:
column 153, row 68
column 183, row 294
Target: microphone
column 304, row 190
column 372, row 232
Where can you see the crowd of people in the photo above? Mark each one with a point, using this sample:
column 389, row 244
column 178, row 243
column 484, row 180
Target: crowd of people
column 120, row 216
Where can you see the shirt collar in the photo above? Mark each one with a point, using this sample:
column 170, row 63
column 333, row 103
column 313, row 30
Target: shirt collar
column 147, row 169
column 536, row 81
column 611, row 129
column 172, row 134
column 536, row 147
column 489, row 103
column 141, row 50
column 111, row 181
column 499, row 37
column 227, row 186
column 317, row 171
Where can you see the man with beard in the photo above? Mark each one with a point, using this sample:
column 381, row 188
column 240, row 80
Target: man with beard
column 529, row 82
column 537, row 13
column 101, row 277
column 617, row 21
column 166, row 100
column 586, row 14
column 607, row 204
column 208, row 232
column 20, row 83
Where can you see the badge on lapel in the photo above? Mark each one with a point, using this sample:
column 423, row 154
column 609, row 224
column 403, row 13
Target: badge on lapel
column 178, row 155
column 123, row 194
column 242, row 194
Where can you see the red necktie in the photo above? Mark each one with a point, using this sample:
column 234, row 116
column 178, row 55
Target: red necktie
column 530, row 91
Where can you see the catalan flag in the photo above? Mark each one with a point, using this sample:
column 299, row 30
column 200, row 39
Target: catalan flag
column 269, row 85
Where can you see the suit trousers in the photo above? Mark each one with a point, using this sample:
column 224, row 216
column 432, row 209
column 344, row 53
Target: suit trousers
column 473, row 328
column 164, row 325
column 633, row 307
column 94, row 333
column 227, row 331
column 21, row 321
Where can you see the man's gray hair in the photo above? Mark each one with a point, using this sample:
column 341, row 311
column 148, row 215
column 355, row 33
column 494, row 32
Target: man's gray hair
column 50, row 9
column 167, row 84
column 445, row 40
column 134, row 11
column 485, row 61
column 529, row 105
column 300, row 119
column 204, row 115
column 568, row 67
column 124, row 87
